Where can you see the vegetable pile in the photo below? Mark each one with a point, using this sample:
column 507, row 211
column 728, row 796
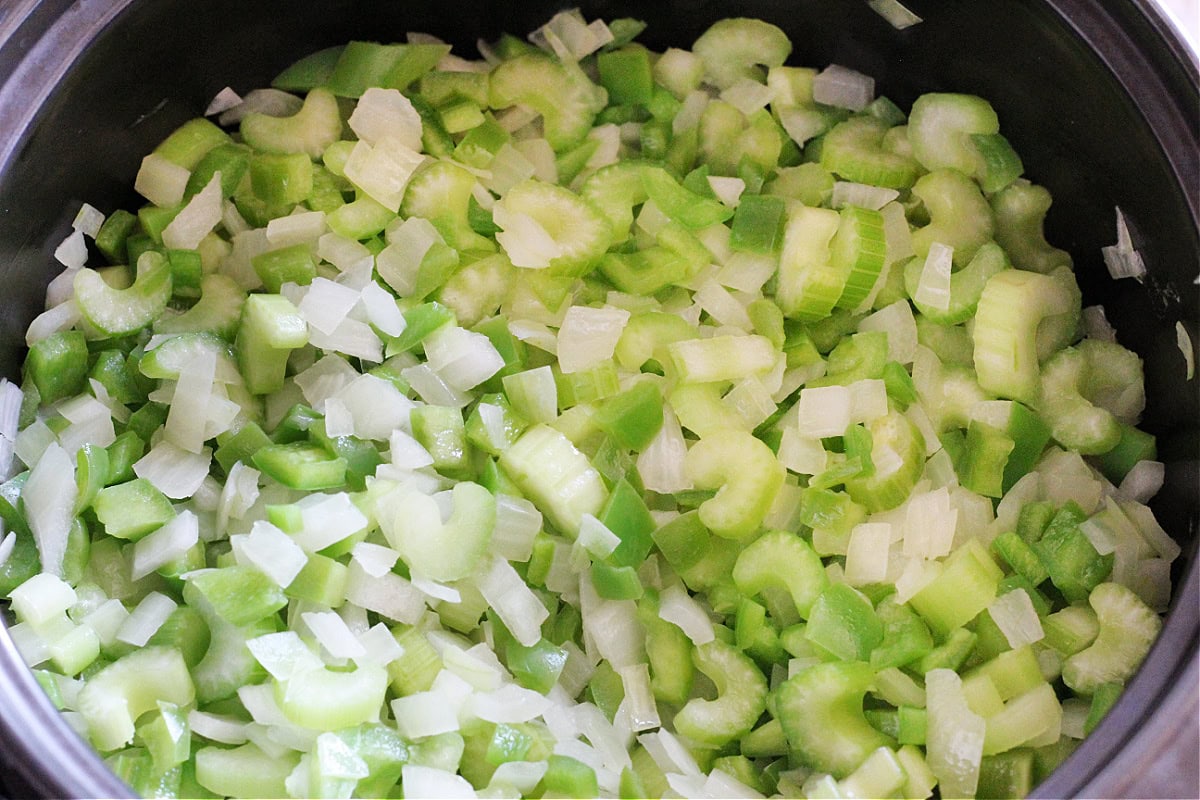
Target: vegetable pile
column 579, row 420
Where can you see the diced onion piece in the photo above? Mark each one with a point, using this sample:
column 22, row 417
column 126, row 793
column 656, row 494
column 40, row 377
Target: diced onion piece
column 1143, row 481
column 338, row 419
column 867, row 553
column 660, row 464
column 802, row 124
column 376, row 406
column 380, row 113
column 283, row 654
column 1122, row 259
column 166, row 544
column 868, row 400
column 326, row 519
column 223, row 100
column 843, row 87
column 422, row 781
column 433, row 388
column 299, row 227
column 864, row 195
column 217, row 727
column 145, row 620
column 803, row 455
column 508, row 704
column 375, row 559
column 197, row 219
column 383, row 170
column 514, row 602
column 6, row 546
column 49, row 499
column 271, row 550
column 407, row 452
column 160, row 181
column 333, row 634
column 91, row 423
column 747, row 95
column 382, row 311
column 823, row 411
column 72, row 251
column 728, row 190
column 55, row 319
column 327, row 304
column 929, row 525
column 569, row 37
column 518, row 523
column 88, row 220
column 185, row 425
column 1017, row 619
column 437, row 591
column 722, row 306
column 1184, row 340
column 463, row 358
column 954, row 737
column 898, row 322
column 589, row 336
column 379, row 646
column 933, row 287
column 238, row 495
column 669, row 753
column 390, row 595
column 1147, row 526
column 595, row 537
column 172, row 470
column 684, row 611
column 638, row 706
column 895, row 12
column 272, row 102
column 352, row 338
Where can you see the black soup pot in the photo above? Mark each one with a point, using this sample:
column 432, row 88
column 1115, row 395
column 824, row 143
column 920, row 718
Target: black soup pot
column 1099, row 96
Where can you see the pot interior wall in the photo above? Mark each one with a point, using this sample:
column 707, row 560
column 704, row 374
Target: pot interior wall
column 1079, row 131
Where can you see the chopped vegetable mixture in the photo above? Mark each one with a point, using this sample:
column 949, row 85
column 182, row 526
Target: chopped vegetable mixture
column 579, row 421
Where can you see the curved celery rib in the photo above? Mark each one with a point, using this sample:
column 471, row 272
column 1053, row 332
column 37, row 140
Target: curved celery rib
column 959, row 216
column 113, row 312
column 1020, row 211
column 1011, row 308
column 781, row 560
column 854, row 149
column 558, row 478
column 898, row 456
column 966, row 285
column 647, row 335
column 860, row 248
column 218, row 310
column 735, row 48
column 545, row 226
column 310, row 130
column 117, row 695
column 809, row 286
column 741, row 697
column 244, row 771
column 746, row 475
column 1127, row 628
column 567, row 100
column 1114, row 379
column 940, row 126
column 1074, row 421
column 450, row 550
column 441, row 193
column 821, row 710
column 616, row 190
column 325, row 700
